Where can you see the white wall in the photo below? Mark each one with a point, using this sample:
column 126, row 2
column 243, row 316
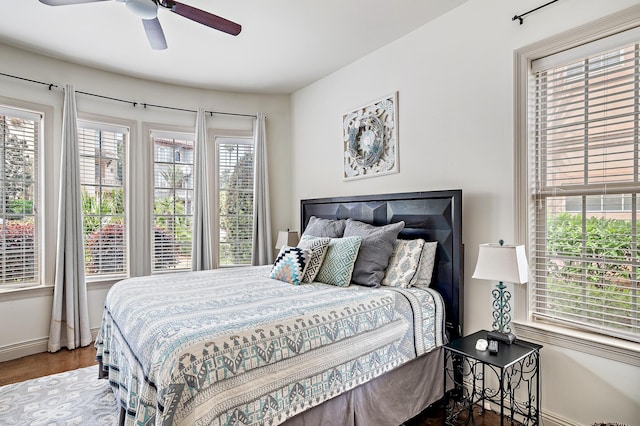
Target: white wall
column 454, row 77
column 25, row 315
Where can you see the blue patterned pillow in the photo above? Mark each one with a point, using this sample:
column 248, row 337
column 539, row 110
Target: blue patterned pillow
column 290, row 265
column 339, row 260
column 318, row 248
column 403, row 263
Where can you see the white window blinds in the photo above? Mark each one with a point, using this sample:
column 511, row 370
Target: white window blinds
column 173, row 200
column 102, row 152
column 19, row 248
column 583, row 162
column 235, row 158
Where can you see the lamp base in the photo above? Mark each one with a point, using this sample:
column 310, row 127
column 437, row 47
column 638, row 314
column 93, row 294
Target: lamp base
column 507, row 338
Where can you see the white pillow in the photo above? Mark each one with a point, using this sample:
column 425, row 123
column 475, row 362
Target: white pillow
column 427, row 262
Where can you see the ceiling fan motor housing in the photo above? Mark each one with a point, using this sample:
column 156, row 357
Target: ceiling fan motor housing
column 145, row 9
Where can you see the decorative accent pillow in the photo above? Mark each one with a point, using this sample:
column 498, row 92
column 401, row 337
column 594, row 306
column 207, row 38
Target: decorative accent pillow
column 427, row 261
column 337, row 266
column 375, row 250
column 290, row 265
column 318, row 227
column 403, row 263
column 318, row 248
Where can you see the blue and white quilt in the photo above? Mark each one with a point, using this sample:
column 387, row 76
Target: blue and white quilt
column 232, row 346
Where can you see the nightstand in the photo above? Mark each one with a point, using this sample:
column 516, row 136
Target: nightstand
column 510, row 379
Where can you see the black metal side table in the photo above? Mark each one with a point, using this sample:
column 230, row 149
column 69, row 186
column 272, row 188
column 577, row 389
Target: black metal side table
column 510, row 379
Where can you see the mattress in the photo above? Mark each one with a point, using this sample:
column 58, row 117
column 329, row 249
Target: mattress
column 233, row 346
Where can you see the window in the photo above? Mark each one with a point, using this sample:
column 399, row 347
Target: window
column 19, row 174
column 234, row 168
column 583, row 180
column 102, row 152
column 173, row 200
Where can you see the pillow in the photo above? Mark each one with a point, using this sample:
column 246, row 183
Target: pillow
column 318, row 227
column 290, row 265
column 403, row 263
column 375, row 250
column 427, row 261
column 318, row 248
column 337, row 266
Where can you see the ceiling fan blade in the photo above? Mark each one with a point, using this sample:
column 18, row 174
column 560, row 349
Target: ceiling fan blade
column 66, row 2
column 154, row 33
column 205, row 18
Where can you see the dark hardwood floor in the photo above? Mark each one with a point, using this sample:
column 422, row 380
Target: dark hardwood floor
column 44, row 364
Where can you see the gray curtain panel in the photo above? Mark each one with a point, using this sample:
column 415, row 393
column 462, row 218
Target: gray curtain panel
column 70, row 313
column 262, row 245
column 201, row 258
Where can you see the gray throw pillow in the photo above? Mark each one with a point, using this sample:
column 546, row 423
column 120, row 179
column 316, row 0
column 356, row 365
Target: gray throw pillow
column 318, row 227
column 375, row 250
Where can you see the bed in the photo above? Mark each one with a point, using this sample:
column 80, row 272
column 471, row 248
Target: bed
column 236, row 346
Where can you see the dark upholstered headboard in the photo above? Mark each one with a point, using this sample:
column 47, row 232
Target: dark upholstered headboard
column 433, row 216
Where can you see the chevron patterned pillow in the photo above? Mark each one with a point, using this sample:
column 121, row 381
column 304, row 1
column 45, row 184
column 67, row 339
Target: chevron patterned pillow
column 339, row 260
column 318, row 248
column 290, row 265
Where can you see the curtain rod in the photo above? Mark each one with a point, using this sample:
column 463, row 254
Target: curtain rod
column 133, row 103
column 521, row 17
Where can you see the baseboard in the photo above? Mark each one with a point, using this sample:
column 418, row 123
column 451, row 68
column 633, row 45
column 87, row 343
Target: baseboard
column 30, row 347
column 553, row 419
column 547, row 418
column 22, row 349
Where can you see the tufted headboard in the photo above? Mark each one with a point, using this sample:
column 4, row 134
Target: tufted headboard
column 433, row 216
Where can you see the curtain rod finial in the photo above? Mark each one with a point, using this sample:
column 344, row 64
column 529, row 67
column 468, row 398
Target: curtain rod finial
column 519, row 18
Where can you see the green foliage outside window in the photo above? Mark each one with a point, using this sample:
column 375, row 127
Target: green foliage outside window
column 18, row 249
column 105, row 234
column 584, row 267
column 170, row 215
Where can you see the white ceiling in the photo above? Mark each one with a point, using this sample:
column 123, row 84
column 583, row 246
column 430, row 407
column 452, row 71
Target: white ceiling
column 284, row 44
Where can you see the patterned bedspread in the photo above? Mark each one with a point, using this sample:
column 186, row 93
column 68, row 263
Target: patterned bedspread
column 236, row 347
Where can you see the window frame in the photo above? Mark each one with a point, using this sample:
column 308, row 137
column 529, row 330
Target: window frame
column 169, row 132
column 110, row 124
column 212, row 154
column 130, row 194
column 595, row 344
column 46, row 195
column 37, row 118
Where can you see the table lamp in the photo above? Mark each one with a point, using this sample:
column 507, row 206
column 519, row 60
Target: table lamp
column 503, row 263
column 287, row 238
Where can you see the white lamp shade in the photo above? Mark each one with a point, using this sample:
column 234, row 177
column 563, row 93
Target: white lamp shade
column 506, row 263
column 287, row 238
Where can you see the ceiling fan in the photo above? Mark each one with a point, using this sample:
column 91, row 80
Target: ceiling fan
column 147, row 10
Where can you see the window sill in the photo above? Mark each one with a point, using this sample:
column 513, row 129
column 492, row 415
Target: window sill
column 28, row 292
column 17, row 293
column 598, row 345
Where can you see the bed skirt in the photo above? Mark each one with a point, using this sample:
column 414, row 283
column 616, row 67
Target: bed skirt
column 388, row 400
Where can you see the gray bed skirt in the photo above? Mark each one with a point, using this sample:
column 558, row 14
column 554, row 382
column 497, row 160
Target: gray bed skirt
column 388, row 400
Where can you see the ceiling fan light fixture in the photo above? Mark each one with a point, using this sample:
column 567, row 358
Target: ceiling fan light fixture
column 145, row 9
